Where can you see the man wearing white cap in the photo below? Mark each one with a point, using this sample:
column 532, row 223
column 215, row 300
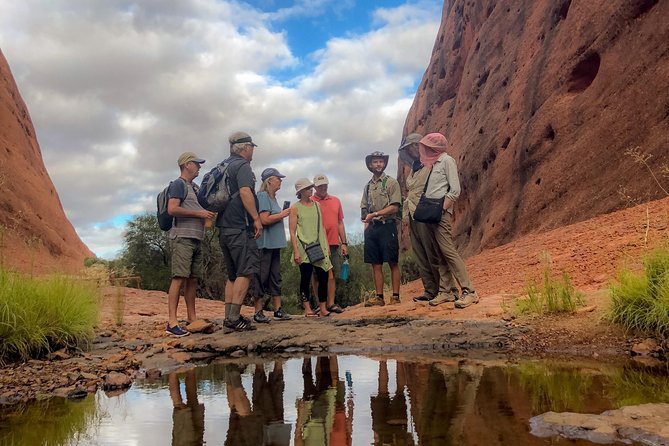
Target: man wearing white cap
column 333, row 222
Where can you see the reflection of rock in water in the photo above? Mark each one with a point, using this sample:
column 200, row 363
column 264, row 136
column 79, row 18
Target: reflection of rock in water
column 647, row 423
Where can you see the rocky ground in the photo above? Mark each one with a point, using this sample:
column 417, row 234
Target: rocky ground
column 591, row 252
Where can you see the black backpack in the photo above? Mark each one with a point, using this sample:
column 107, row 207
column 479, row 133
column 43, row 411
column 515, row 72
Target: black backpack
column 214, row 193
column 165, row 220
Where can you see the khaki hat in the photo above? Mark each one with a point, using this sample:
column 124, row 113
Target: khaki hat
column 303, row 183
column 240, row 138
column 412, row 138
column 320, row 180
column 377, row 154
column 187, row 157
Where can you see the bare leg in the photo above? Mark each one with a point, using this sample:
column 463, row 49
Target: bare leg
column 378, row 278
column 189, row 297
column 331, row 288
column 173, row 300
column 241, row 288
column 395, row 277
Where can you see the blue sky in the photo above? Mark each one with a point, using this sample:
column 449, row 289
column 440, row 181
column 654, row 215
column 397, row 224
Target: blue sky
column 118, row 89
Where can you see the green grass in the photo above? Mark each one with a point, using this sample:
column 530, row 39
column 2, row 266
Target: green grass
column 43, row 314
column 640, row 301
column 550, row 296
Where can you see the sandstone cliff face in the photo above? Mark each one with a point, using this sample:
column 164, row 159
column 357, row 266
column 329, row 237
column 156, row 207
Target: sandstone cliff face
column 540, row 100
column 36, row 235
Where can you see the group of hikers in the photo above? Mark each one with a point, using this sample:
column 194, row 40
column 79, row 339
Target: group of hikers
column 252, row 232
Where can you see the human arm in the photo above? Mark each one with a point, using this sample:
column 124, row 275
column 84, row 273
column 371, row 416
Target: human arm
column 292, row 228
column 450, row 170
column 175, row 210
column 268, row 219
column 249, row 202
column 386, row 211
column 342, row 237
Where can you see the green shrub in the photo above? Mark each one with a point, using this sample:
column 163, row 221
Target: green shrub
column 40, row 315
column 640, row 301
column 551, row 296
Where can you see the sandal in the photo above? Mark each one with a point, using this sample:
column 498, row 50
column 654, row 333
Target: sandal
column 311, row 315
column 335, row 309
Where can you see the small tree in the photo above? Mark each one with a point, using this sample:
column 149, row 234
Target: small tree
column 146, row 251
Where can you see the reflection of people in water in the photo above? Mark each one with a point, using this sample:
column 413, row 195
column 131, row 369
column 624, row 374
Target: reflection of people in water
column 321, row 412
column 263, row 424
column 187, row 419
column 389, row 414
column 268, row 402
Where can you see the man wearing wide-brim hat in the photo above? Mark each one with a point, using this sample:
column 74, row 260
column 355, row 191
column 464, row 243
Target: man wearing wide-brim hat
column 380, row 206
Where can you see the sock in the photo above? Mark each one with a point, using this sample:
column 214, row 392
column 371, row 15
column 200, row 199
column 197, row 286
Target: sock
column 234, row 312
column 380, row 296
column 396, row 295
column 227, row 310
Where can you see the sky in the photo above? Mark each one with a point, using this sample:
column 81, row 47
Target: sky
column 118, row 89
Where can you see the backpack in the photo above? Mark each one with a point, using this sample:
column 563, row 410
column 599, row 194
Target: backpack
column 165, row 220
column 214, row 193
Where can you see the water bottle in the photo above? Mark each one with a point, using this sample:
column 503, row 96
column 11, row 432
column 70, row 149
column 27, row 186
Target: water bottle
column 344, row 269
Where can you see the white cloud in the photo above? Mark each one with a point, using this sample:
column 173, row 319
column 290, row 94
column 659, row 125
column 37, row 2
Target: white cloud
column 118, row 89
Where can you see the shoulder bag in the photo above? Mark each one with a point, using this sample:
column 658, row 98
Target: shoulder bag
column 429, row 210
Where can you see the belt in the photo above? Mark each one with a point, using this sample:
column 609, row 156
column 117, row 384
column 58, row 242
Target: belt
column 382, row 222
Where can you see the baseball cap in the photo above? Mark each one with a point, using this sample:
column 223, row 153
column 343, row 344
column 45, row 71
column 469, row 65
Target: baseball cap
column 270, row 172
column 320, row 180
column 187, row 157
column 240, row 138
column 412, row 138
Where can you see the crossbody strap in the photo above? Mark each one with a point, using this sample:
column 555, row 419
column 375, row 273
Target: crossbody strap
column 426, row 182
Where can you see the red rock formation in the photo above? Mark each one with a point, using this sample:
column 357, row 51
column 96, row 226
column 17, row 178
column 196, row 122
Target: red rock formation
column 540, row 100
column 35, row 234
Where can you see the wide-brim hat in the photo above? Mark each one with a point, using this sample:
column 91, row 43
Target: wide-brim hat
column 371, row 156
column 411, row 138
column 435, row 141
column 303, row 183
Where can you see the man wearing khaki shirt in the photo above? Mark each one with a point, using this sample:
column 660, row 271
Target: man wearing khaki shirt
column 380, row 204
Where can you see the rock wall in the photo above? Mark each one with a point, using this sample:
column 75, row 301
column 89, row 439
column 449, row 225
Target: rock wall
column 541, row 101
column 35, row 234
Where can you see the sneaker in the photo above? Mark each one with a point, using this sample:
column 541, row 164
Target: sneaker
column 335, row 309
column 281, row 315
column 176, row 331
column 375, row 301
column 423, row 298
column 241, row 324
column 468, row 298
column 442, row 298
column 395, row 300
column 260, row 318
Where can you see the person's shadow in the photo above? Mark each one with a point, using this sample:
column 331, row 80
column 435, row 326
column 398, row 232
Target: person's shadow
column 187, row 418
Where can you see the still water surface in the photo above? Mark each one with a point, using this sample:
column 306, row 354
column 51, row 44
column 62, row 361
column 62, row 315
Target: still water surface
column 337, row 401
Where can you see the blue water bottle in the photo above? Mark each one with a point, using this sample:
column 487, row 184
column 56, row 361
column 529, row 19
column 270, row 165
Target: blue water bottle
column 344, row 269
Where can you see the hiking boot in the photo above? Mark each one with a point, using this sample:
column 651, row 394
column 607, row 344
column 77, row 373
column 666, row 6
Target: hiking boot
column 442, row 298
column 176, row 331
column 468, row 298
column 260, row 318
column 281, row 315
column 241, row 324
column 375, row 301
column 395, row 300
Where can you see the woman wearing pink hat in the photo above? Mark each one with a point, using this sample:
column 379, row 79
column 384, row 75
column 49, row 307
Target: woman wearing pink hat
column 443, row 182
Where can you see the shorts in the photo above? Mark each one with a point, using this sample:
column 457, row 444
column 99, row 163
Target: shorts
column 268, row 281
column 336, row 259
column 381, row 243
column 186, row 257
column 240, row 252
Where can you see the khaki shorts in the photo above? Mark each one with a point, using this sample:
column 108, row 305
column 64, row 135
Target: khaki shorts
column 186, row 257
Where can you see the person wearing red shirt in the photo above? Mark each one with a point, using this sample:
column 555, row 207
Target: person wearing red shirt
column 333, row 222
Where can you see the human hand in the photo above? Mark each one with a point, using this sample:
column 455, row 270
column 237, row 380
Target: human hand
column 297, row 258
column 343, row 249
column 257, row 228
column 204, row 214
column 285, row 213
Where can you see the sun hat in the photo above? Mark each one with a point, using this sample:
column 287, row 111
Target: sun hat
column 320, row 180
column 303, row 183
column 435, row 140
column 377, row 154
column 187, row 157
column 270, row 172
column 412, row 138
column 241, row 137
